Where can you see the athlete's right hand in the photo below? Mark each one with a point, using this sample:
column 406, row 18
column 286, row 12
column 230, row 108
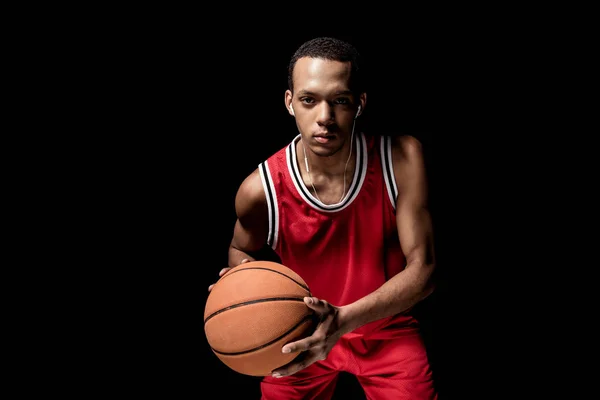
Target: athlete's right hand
column 224, row 271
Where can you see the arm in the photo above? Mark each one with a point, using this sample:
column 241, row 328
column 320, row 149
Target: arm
column 414, row 283
column 402, row 291
column 251, row 227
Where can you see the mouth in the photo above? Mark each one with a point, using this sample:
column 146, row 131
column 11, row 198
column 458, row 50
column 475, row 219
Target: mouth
column 324, row 138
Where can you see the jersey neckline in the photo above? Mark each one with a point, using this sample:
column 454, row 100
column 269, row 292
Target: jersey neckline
column 353, row 190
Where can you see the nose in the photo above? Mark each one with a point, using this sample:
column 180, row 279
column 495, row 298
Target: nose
column 325, row 114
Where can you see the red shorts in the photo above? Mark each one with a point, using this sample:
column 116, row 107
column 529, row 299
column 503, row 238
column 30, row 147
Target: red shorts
column 387, row 368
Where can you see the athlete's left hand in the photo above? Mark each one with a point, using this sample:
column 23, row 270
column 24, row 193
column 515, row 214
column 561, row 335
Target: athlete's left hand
column 317, row 346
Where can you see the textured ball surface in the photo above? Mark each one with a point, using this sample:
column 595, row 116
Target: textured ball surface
column 252, row 312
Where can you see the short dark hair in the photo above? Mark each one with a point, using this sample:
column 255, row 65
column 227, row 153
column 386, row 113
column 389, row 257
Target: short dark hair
column 330, row 48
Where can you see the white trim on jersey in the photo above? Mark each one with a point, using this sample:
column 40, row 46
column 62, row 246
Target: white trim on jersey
column 388, row 169
column 271, row 195
column 354, row 189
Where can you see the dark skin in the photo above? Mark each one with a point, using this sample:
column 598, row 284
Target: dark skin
column 324, row 109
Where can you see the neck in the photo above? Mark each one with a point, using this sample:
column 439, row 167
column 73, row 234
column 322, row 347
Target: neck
column 329, row 165
column 327, row 172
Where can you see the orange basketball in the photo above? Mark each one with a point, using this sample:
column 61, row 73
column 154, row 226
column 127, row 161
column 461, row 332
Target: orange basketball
column 252, row 312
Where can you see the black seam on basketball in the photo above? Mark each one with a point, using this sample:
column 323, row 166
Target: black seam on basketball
column 268, row 269
column 245, row 303
column 303, row 320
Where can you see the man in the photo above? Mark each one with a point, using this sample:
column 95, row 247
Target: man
column 348, row 212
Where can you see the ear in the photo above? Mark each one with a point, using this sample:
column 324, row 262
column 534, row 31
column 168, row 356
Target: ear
column 288, row 102
column 358, row 111
column 361, row 105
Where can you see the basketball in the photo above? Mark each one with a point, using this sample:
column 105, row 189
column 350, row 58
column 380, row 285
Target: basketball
column 252, row 312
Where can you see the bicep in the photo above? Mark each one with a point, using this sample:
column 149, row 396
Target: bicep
column 415, row 231
column 413, row 217
column 250, row 230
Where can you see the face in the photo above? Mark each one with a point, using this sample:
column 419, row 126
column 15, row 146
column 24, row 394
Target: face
column 323, row 105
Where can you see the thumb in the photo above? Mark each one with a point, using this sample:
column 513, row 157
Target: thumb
column 316, row 304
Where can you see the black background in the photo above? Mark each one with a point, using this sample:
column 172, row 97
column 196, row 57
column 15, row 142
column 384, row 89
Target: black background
column 198, row 108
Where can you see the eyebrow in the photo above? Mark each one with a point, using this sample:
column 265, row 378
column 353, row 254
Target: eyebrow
column 309, row 93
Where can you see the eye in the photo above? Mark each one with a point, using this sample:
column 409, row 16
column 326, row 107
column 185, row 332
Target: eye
column 307, row 100
column 342, row 100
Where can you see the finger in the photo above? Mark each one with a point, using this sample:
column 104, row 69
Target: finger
column 317, row 304
column 221, row 273
column 302, row 344
column 294, row 366
column 224, row 271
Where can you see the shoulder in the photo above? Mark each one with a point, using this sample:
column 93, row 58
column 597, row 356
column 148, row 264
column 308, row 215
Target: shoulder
column 407, row 148
column 408, row 161
column 250, row 195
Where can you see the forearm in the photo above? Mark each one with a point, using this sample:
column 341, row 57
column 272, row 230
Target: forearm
column 236, row 256
column 397, row 295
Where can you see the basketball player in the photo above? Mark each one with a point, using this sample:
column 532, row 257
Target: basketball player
column 348, row 212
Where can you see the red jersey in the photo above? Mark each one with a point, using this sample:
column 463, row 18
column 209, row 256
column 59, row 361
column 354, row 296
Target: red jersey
column 343, row 251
